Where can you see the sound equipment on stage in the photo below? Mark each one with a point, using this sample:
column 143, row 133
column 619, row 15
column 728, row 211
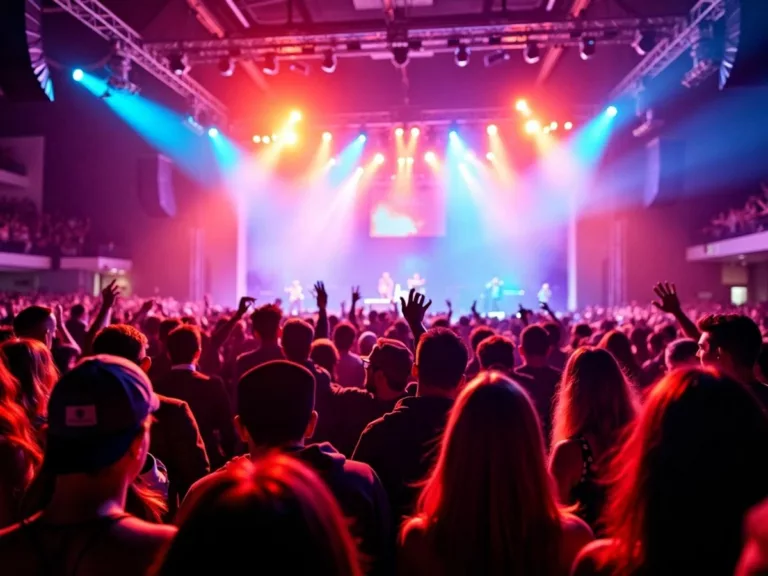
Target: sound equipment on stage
column 24, row 74
column 156, row 186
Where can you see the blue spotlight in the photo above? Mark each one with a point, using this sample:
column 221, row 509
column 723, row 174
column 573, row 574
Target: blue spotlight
column 453, row 134
column 362, row 138
column 611, row 111
column 77, row 74
column 213, row 132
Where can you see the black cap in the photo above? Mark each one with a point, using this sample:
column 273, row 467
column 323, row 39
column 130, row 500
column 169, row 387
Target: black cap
column 95, row 412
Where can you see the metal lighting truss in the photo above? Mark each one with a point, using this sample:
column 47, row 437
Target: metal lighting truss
column 107, row 25
column 421, row 35
column 670, row 49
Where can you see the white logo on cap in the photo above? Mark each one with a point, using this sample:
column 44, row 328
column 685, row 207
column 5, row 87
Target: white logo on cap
column 77, row 416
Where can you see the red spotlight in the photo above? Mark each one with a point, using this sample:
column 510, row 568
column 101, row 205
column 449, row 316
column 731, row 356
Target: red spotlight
column 522, row 107
column 256, row 139
column 568, row 125
column 533, row 127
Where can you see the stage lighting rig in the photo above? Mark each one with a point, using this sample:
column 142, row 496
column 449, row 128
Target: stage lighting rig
column 400, row 55
column 270, row 66
column 329, row 62
column 531, row 53
column 178, row 63
column 462, row 56
column 587, row 47
column 119, row 67
column 496, row 57
column 644, row 42
column 226, row 66
column 299, row 67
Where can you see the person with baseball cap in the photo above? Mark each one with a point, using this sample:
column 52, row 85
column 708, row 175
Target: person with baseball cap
column 99, row 416
column 276, row 411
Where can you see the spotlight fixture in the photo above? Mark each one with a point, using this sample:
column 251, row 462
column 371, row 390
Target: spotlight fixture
column 362, row 137
column 644, row 42
column 568, row 125
column 178, row 63
column 327, row 136
column 77, row 74
column 270, row 66
column 587, row 47
column 531, row 53
column 401, row 161
column 415, row 132
column 611, row 111
column 400, row 56
column 378, row 159
column 290, row 138
column 256, row 139
column 226, row 66
column 522, row 107
column 213, row 132
column 490, row 156
column 399, row 132
column 329, row 62
column 553, row 125
column 462, row 56
column 492, row 130
column 496, row 57
column 266, row 139
column 295, row 116
column 409, row 160
column 430, row 157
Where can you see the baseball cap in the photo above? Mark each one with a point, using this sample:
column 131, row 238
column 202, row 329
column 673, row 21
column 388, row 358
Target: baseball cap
column 393, row 358
column 95, row 412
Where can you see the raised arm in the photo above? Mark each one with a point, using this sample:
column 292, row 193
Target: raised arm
column 669, row 302
column 353, row 309
column 64, row 336
column 413, row 312
column 321, row 296
column 550, row 313
column 108, row 298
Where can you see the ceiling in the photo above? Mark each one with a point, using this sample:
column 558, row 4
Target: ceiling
column 361, row 84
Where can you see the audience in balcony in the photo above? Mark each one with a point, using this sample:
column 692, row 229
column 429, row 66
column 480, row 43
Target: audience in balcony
column 23, row 229
column 753, row 217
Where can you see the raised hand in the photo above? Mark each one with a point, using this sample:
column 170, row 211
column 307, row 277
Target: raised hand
column 668, row 300
column 110, row 294
column 321, row 296
column 474, row 308
column 415, row 308
column 58, row 313
column 147, row 306
column 355, row 295
column 449, row 305
column 545, row 306
column 245, row 303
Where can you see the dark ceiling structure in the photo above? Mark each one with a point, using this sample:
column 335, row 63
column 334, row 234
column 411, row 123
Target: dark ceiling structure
column 254, row 56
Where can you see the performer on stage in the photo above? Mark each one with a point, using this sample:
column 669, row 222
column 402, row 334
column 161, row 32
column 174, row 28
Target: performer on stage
column 295, row 298
column 494, row 293
column 416, row 282
column 386, row 286
column 545, row 294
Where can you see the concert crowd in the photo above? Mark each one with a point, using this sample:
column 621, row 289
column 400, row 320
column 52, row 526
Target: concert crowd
column 161, row 437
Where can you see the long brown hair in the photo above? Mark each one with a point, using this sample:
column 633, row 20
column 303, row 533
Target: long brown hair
column 693, row 466
column 488, row 504
column 31, row 363
column 251, row 513
column 593, row 398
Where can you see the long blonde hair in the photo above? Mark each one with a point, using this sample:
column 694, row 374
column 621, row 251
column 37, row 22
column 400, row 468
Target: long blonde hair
column 594, row 397
column 488, row 504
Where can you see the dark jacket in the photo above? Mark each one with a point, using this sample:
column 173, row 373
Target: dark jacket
column 401, row 447
column 209, row 403
column 261, row 355
column 541, row 384
column 175, row 440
